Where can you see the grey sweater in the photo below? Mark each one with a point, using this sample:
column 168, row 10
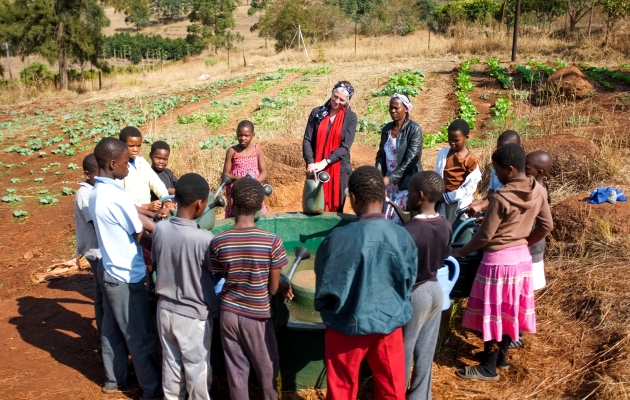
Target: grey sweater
column 184, row 281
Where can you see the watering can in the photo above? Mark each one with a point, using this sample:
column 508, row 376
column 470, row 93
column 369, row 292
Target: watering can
column 313, row 195
column 463, row 231
column 302, row 295
column 208, row 218
column 405, row 216
column 447, row 279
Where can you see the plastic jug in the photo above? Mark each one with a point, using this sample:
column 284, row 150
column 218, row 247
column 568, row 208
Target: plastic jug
column 447, row 279
column 313, row 195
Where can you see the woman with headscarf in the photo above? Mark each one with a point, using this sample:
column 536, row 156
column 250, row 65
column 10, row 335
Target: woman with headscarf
column 327, row 140
column 399, row 153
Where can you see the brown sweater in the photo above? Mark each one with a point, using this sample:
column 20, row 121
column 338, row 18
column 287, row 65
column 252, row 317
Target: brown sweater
column 510, row 216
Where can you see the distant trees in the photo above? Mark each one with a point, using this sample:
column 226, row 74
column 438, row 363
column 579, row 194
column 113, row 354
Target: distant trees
column 58, row 30
column 210, row 19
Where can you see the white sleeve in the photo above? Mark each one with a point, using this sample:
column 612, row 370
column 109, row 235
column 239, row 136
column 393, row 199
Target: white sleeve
column 440, row 161
column 466, row 189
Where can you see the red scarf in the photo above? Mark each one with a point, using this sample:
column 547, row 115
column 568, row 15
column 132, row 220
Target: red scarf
column 323, row 148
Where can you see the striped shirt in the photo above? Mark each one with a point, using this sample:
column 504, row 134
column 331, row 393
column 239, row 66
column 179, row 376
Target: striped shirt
column 244, row 256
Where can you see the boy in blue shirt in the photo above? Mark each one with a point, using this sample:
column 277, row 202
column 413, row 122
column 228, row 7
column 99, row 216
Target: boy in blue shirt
column 127, row 323
column 365, row 272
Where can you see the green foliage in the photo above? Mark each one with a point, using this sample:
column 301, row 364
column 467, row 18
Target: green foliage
column 214, row 120
column 138, row 47
column 20, row 214
column 407, row 82
column 210, row 20
column 467, row 110
column 188, row 119
column 530, row 74
column 48, row 200
column 256, row 87
column 275, row 103
column 321, row 70
column 66, row 191
column 38, row 180
column 560, row 64
column 597, row 74
column 625, row 65
column 392, row 17
column 431, row 140
column 36, row 72
column 499, row 72
column 369, row 126
column 15, row 180
column 297, row 89
column 211, row 61
column 476, row 11
column 73, row 166
column 542, row 67
column 11, row 198
column 222, row 141
column 501, row 107
column 43, row 191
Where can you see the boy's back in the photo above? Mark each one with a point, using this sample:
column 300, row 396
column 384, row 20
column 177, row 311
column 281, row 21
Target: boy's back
column 432, row 236
column 364, row 270
column 87, row 244
column 184, row 283
column 244, row 256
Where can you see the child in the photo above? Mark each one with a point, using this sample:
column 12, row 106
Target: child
column 364, row 276
column 160, row 151
column 127, row 323
column 432, row 235
column 501, row 301
column 242, row 160
column 250, row 260
column 141, row 180
column 187, row 302
column 506, row 137
column 460, row 170
column 87, row 244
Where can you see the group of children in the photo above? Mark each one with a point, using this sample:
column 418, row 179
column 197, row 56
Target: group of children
column 376, row 285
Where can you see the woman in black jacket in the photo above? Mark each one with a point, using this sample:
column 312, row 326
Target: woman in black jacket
column 399, row 153
column 327, row 140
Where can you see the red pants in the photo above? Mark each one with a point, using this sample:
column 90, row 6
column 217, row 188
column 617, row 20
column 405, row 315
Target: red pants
column 385, row 356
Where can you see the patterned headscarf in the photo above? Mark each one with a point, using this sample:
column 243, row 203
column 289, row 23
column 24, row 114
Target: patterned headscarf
column 323, row 110
column 404, row 99
column 345, row 87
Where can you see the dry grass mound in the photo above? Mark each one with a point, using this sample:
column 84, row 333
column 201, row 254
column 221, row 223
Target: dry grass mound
column 572, row 157
column 570, row 84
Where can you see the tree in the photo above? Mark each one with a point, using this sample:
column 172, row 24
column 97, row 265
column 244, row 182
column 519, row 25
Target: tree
column 137, row 12
column 577, row 9
column 55, row 29
column 209, row 21
column 281, row 21
column 614, row 10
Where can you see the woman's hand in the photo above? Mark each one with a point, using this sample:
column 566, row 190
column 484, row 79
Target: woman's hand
column 318, row 166
column 386, row 180
column 155, row 206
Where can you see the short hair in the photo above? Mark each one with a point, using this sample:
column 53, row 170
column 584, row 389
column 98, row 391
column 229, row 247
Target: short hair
column 89, row 163
column 430, row 183
column 247, row 195
column 190, row 188
column 541, row 160
column 510, row 155
column 129, row 131
column 108, row 149
column 509, row 136
column 366, row 184
column 245, row 124
column 461, row 126
column 160, row 145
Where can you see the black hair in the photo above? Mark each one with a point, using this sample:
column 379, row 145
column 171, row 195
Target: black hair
column 430, row 183
column 245, row 124
column 366, row 184
column 160, row 145
column 510, row 155
column 461, row 126
column 89, row 164
column 509, row 136
column 108, row 149
column 190, row 188
column 129, row 131
column 247, row 194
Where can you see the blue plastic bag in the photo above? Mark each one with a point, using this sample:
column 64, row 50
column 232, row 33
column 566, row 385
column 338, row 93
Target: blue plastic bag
column 600, row 195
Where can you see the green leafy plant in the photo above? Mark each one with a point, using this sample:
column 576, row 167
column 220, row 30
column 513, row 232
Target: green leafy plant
column 66, row 191
column 15, row 180
column 43, row 191
column 275, row 103
column 48, row 200
column 321, row 70
column 20, row 213
column 531, row 75
column 560, row 64
column 297, row 89
column 11, row 190
column 215, row 120
column 58, row 173
column 188, row 119
column 11, row 198
column 501, row 107
column 499, row 72
column 39, row 180
column 222, row 141
column 406, row 82
column 73, row 166
column 625, row 65
column 542, row 67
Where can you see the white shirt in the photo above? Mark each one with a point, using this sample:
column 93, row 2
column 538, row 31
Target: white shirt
column 141, row 181
column 87, row 244
column 116, row 220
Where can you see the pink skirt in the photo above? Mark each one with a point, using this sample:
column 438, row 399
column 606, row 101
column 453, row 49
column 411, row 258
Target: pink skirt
column 502, row 297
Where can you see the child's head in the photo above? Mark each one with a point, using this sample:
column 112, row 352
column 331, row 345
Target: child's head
column 458, row 132
column 90, row 168
column 160, row 151
column 112, row 157
column 191, row 196
column 132, row 138
column 247, row 196
column 365, row 188
column 245, row 133
column 509, row 162
column 508, row 136
column 425, row 187
column 538, row 164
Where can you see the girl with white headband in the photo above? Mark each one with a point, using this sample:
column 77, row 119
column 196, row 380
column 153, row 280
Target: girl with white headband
column 399, row 153
column 327, row 140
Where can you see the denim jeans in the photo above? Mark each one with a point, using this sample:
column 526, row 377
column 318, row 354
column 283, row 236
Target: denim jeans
column 420, row 335
column 128, row 327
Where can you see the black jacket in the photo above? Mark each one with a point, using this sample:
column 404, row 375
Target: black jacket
column 342, row 153
column 409, row 145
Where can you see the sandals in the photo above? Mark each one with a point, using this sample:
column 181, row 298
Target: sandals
column 472, row 373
